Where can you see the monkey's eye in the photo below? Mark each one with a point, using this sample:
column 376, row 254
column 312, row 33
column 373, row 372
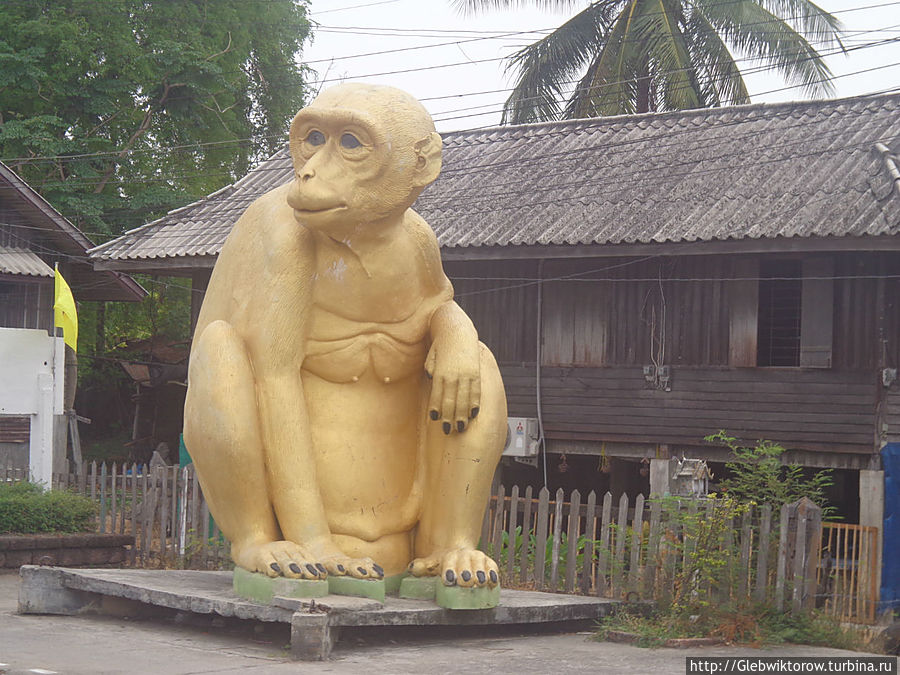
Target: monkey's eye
column 350, row 142
column 315, row 137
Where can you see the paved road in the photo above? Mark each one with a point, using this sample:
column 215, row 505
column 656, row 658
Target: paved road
column 99, row 644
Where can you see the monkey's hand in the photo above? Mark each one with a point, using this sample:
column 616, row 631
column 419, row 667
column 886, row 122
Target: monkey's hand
column 454, row 367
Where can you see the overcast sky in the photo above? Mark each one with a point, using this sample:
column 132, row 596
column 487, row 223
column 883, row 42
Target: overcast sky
column 452, row 93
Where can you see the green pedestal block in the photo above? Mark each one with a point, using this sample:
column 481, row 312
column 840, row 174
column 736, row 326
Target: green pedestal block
column 259, row 587
column 418, row 588
column 457, row 597
column 392, row 583
column 360, row 588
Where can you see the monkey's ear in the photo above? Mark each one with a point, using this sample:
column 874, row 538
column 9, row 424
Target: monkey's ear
column 428, row 159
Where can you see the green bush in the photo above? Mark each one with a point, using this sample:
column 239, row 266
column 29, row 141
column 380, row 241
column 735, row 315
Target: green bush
column 26, row 508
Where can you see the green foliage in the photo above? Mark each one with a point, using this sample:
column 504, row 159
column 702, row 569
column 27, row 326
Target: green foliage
column 758, row 475
column 755, row 625
column 25, row 508
column 708, row 574
column 632, row 56
column 120, row 110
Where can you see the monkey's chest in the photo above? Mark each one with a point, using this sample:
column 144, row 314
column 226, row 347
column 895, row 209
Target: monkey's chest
column 370, row 354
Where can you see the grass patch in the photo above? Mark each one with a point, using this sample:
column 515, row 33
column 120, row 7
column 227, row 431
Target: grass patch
column 756, row 626
column 26, row 508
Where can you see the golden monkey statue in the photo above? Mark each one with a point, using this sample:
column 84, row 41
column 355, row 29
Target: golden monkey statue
column 341, row 413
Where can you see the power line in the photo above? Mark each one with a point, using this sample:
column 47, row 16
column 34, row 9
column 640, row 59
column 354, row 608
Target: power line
column 218, row 143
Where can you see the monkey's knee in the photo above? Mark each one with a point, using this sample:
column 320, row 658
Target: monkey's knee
column 220, row 412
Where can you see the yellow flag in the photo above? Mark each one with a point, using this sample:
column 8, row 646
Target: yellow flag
column 64, row 313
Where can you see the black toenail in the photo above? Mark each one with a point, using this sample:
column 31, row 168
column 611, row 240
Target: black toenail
column 378, row 569
column 341, row 569
column 275, row 567
column 474, row 412
column 295, row 568
column 466, row 575
column 312, row 570
column 362, row 570
column 493, row 577
column 450, row 577
column 447, row 428
column 434, row 414
column 460, row 426
column 481, row 576
column 321, row 568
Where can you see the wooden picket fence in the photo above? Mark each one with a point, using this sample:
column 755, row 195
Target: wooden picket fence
column 161, row 506
column 627, row 549
column 636, row 550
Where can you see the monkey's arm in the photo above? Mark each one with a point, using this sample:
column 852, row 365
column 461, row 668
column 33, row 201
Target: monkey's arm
column 277, row 350
column 453, row 364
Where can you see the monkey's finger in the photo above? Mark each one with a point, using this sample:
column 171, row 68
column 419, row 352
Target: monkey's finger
column 475, row 398
column 429, row 362
column 462, row 408
column 288, row 565
column 268, row 565
column 448, row 406
column 434, row 400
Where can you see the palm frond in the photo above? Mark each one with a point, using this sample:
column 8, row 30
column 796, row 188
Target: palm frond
column 544, row 68
column 718, row 73
column 670, row 64
column 470, row 7
column 759, row 34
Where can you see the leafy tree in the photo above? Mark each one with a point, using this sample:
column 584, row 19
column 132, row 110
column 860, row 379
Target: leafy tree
column 758, row 474
column 120, row 110
column 632, row 56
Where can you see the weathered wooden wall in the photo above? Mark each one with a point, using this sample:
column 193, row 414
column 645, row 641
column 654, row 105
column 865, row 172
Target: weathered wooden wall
column 815, row 410
column 604, row 319
column 672, row 310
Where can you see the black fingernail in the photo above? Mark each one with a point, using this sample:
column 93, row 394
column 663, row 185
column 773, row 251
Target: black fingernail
column 447, row 428
column 341, row 569
column 321, row 568
column 493, row 577
column 450, row 577
column 466, row 575
column 378, row 569
column 434, row 414
column 481, row 576
column 275, row 567
column 460, row 426
column 295, row 568
column 312, row 570
column 362, row 570
column 410, row 566
column 474, row 412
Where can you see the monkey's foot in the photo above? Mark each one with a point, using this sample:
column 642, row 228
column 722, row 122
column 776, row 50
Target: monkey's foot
column 278, row 558
column 358, row 568
column 286, row 558
column 464, row 567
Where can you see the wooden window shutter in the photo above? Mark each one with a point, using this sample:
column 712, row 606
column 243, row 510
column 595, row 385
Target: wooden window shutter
column 817, row 313
column 743, row 300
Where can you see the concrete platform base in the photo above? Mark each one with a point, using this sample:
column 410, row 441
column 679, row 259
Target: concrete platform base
column 315, row 622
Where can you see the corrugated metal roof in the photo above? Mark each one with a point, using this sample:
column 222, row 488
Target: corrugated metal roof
column 24, row 262
column 811, row 169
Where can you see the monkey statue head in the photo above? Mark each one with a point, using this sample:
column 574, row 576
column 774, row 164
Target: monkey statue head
column 362, row 154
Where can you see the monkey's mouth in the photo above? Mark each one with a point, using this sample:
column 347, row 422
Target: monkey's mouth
column 318, row 211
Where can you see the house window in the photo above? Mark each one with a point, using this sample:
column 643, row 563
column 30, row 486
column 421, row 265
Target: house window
column 782, row 312
column 779, row 322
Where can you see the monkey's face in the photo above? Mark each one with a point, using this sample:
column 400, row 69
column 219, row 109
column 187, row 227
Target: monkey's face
column 357, row 163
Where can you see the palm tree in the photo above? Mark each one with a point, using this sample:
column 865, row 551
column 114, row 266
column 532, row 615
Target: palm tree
column 631, row 56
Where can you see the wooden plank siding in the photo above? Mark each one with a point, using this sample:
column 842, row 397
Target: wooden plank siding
column 671, row 310
column 807, row 409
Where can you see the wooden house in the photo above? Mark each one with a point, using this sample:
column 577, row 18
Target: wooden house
column 34, row 237
column 648, row 280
